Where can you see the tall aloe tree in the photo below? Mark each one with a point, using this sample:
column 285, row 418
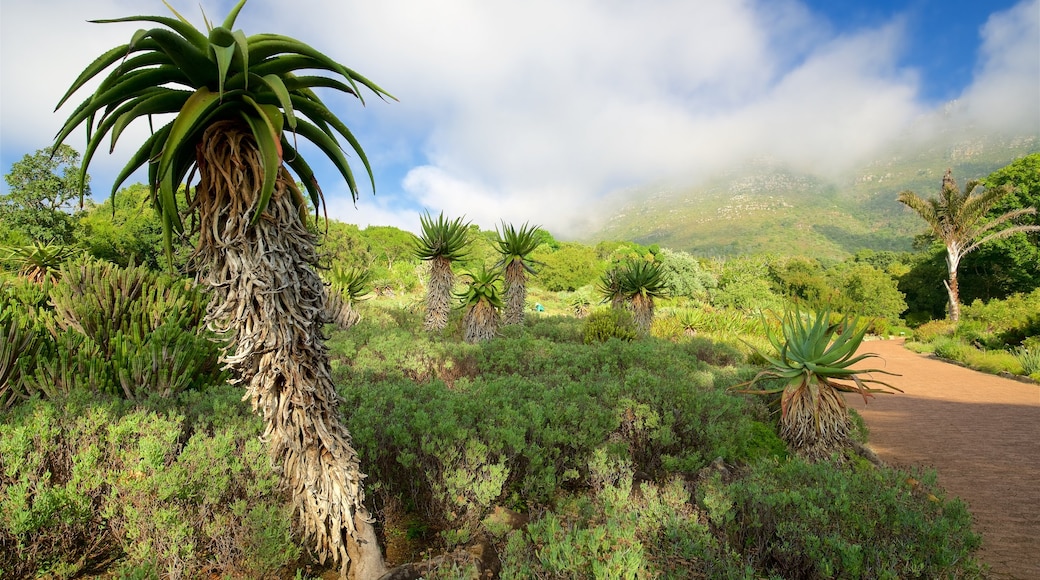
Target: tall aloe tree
column 240, row 103
column 516, row 247
column 441, row 243
column 959, row 221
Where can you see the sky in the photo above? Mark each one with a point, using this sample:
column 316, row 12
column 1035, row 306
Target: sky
column 538, row 110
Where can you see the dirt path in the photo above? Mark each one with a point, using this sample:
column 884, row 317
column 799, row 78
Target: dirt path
column 980, row 432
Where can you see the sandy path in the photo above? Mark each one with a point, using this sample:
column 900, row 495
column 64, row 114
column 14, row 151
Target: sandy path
column 980, row 432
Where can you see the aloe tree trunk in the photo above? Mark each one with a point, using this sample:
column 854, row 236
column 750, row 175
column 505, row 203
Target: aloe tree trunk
column 269, row 301
column 642, row 312
column 816, row 421
column 516, row 292
column 438, row 294
column 481, row 322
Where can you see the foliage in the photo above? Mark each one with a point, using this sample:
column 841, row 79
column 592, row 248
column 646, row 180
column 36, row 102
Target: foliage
column 227, row 75
column 604, row 324
column 813, row 365
column 128, row 234
column 38, row 206
column 802, row 520
column 1009, row 265
column 960, row 222
column 125, row 331
column 683, row 275
column 868, row 291
column 566, row 268
column 87, row 478
column 743, row 285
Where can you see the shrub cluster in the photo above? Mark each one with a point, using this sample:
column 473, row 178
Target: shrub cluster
column 173, row 488
column 101, row 328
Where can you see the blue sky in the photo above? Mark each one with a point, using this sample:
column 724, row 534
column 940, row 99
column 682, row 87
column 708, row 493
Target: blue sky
column 536, row 110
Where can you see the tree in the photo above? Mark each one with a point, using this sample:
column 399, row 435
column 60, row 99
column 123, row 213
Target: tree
column 130, row 233
column 684, row 275
column 516, row 247
column 635, row 285
column 566, row 268
column 959, row 222
column 236, row 99
column 39, row 204
column 1012, row 264
column 441, row 243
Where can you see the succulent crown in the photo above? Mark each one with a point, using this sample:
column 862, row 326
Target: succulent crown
column 514, row 244
column 208, row 77
column 482, row 284
column 642, row 278
column 441, row 238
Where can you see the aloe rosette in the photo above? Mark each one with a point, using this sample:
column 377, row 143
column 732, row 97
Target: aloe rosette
column 813, row 364
column 207, row 77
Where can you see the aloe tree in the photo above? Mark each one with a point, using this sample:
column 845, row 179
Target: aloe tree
column 639, row 283
column 482, row 304
column 959, row 221
column 812, row 367
column 241, row 103
column 442, row 242
column 347, row 287
column 516, row 247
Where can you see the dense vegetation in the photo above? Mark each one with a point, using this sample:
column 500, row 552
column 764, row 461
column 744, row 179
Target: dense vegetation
column 621, row 458
column 581, row 442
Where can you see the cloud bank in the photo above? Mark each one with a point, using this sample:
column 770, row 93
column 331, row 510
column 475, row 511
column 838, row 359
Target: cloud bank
column 536, row 110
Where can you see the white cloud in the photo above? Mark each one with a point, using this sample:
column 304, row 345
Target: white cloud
column 1005, row 92
column 534, row 110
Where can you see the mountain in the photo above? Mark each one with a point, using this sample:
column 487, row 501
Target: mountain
column 765, row 207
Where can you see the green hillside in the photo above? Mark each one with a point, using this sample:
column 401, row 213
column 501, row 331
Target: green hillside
column 765, row 207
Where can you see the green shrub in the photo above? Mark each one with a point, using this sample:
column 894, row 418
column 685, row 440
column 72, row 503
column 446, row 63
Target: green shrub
column 617, row 533
column 930, row 331
column 607, row 323
column 952, row 349
column 800, row 520
column 1029, row 358
column 993, row 361
column 89, row 477
column 554, row 403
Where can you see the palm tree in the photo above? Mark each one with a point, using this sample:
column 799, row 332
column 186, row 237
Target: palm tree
column 959, row 221
column 442, row 242
column 516, row 247
column 236, row 100
column 482, row 303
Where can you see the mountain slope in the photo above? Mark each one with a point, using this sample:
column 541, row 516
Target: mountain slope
column 764, row 207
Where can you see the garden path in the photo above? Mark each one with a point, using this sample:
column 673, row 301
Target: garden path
column 981, row 434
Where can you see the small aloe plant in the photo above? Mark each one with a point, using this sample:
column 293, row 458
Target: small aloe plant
column 813, row 365
column 346, row 288
column 483, row 303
